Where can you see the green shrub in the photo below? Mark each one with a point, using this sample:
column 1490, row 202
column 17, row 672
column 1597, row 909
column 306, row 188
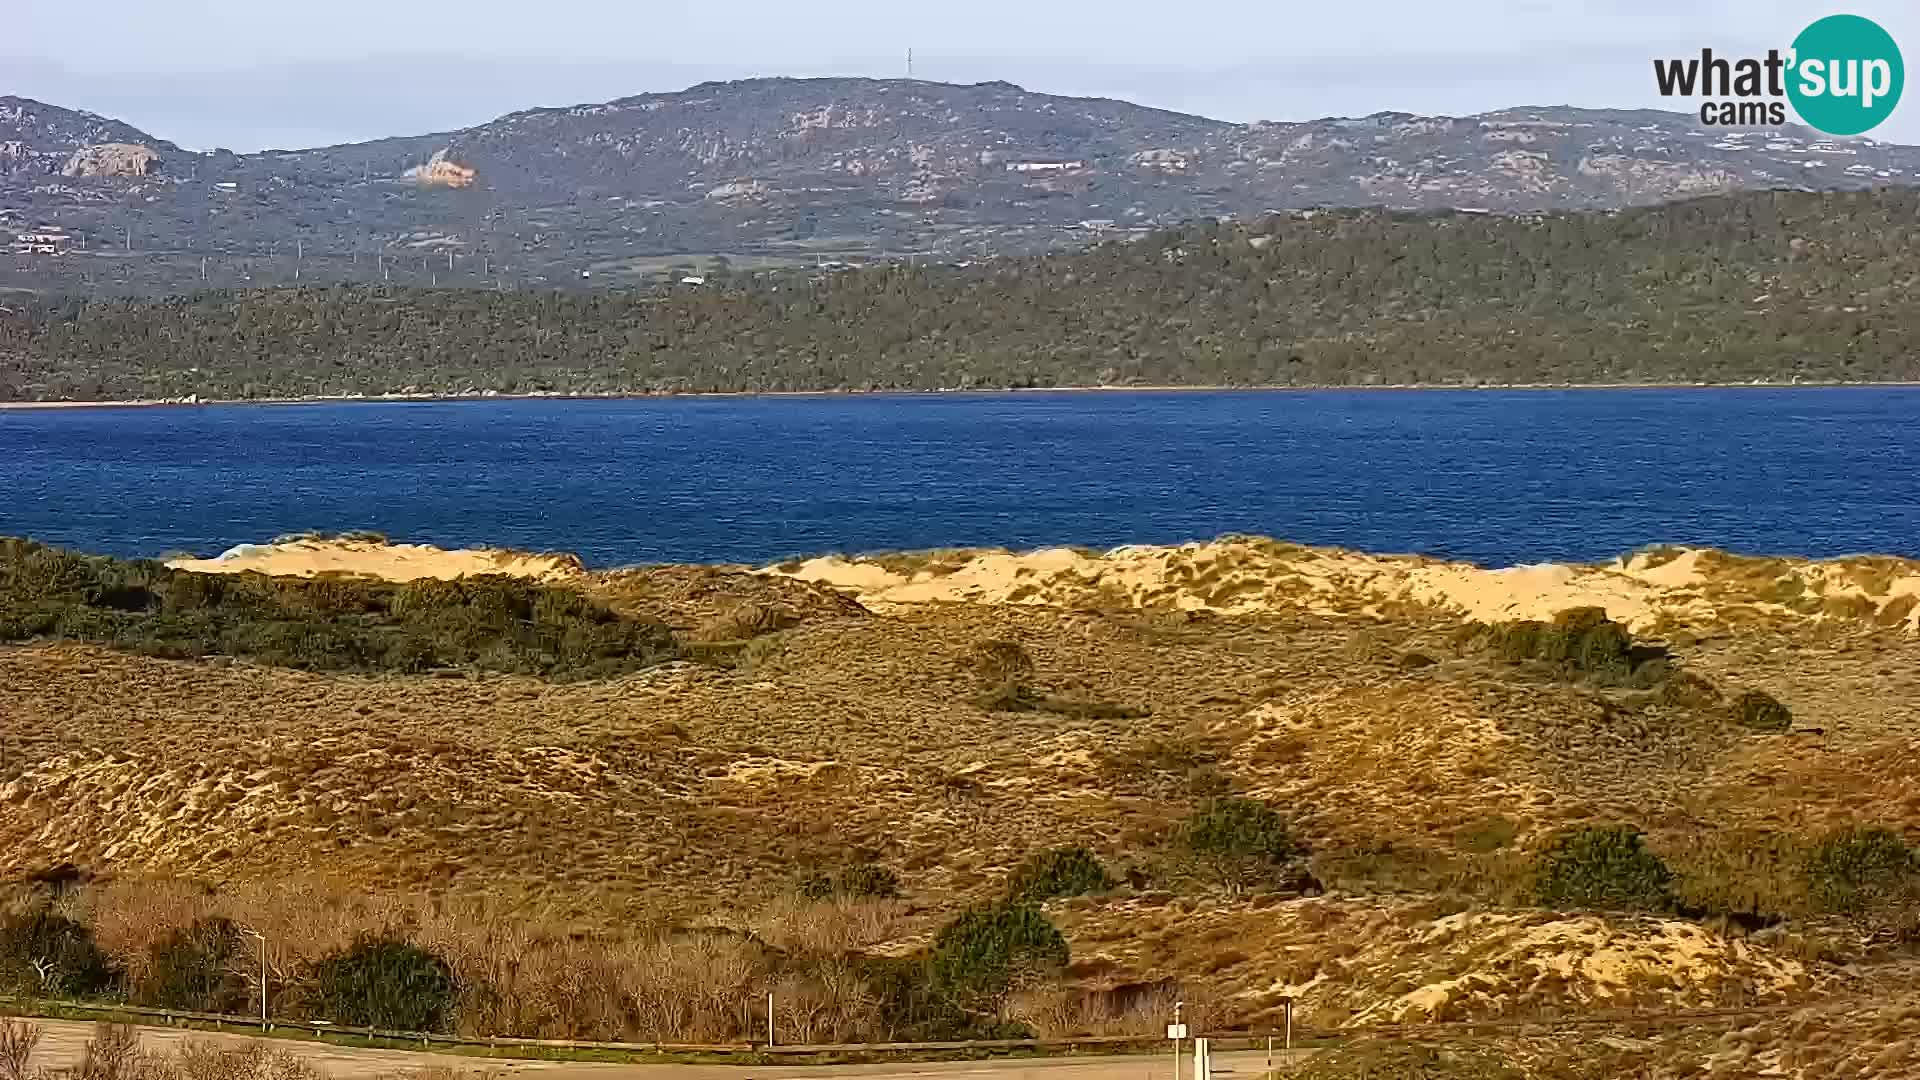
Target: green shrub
column 1760, row 711
column 325, row 624
column 1601, row 867
column 977, row 958
column 1855, row 869
column 383, row 982
column 1062, row 871
column 43, row 954
column 913, row 1008
column 1584, row 644
column 199, row 968
column 1685, row 690
column 1241, row 842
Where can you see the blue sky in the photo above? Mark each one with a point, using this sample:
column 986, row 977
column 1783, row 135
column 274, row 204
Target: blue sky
column 253, row 74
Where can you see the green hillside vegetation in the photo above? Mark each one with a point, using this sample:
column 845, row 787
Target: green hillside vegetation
column 1773, row 286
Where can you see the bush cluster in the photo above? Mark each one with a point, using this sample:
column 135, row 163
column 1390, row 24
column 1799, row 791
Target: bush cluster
column 980, row 956
column 382, row 981
column 1601, row 867
column 200, row 968
column 1583, row 643
column 1760, row 711
column 45, row 954
column 1855, row 869
column 496, row 623
column 1242, row 843
column 1056, row 872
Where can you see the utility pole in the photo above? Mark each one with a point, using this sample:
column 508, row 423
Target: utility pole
column 769, row 1018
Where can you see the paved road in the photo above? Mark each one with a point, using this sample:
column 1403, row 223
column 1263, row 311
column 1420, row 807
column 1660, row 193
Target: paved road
column 62, row 1042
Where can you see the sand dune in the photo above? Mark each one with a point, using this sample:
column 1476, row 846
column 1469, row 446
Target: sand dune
column 1250, row 575
column 311, row 557
column 1647, row 590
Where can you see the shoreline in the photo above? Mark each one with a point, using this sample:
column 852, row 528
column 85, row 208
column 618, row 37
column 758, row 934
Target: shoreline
column 393, row 399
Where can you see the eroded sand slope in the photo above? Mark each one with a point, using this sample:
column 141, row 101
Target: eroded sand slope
column 1250, row 575
column 312, row 557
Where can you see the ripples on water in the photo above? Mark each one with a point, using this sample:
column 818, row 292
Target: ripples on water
column 1499, row 477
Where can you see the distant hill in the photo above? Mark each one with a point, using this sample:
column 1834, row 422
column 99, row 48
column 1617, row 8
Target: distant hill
column 1758, row 286
column 38, row 140
column 789, row 171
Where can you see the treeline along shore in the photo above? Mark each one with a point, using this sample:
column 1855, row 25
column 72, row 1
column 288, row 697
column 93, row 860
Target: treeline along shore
column 1773, row 287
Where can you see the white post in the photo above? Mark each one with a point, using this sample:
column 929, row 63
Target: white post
column 262, row 939
column 769, row 1018
column 1177, row 1032
column 1289, row 1026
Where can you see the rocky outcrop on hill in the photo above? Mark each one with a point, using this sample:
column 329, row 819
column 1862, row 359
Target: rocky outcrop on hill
column 37, row 139
column 112, row 159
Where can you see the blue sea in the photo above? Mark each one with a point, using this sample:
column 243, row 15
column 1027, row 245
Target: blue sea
column 1498, row 477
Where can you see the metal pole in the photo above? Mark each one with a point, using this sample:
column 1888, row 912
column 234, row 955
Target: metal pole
column 1176, row 1039
column 769, row 1018
column 1289, row 1026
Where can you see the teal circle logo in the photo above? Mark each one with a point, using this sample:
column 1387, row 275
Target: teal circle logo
column 1846, row 75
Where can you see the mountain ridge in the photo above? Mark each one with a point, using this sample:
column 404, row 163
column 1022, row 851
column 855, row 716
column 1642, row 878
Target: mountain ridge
column 790, row 171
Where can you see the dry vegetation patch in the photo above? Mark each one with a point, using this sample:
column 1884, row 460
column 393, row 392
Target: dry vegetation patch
column 651, row 847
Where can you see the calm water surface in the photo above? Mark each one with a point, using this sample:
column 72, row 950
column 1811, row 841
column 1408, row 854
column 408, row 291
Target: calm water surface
column 1497, row 477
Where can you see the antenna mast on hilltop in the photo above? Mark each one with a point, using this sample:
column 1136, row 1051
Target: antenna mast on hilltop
column 909, row 63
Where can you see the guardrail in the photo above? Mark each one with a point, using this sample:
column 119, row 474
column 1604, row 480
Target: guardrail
column 47, row 1007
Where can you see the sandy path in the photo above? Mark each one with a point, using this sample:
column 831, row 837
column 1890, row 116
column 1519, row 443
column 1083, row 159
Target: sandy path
column 62, row 1042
